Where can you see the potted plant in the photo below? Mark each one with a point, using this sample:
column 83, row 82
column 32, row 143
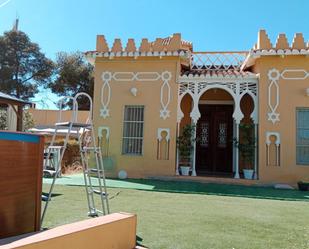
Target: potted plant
column 185, row 143
column 303, row 185
column 246, row 146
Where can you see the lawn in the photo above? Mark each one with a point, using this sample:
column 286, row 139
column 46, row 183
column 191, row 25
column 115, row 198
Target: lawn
column 194, row 215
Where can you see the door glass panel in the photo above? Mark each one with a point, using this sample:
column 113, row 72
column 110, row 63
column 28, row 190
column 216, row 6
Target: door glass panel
column 204, row 134
column 222, row 136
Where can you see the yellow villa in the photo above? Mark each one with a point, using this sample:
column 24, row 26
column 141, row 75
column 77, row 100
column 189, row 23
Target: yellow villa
column 144, row 98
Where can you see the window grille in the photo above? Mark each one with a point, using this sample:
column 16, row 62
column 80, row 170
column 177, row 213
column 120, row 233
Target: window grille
column 133, row 130
column 302, row 136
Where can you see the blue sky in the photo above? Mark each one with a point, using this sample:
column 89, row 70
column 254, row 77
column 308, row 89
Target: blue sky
column 70, row 25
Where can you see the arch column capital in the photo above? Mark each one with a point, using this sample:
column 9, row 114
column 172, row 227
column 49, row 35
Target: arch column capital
column 237, row 114
column 195, row 113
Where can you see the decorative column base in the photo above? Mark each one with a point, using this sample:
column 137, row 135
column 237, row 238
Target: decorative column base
column 236, row 176
column 177, row 172
column 193, row 173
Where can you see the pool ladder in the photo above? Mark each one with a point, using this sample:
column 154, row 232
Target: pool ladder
column 94, row 177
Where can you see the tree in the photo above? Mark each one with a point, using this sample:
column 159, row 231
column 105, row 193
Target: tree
column 28, row 121
column 73, row 75
column 23, row 67
column 3, row 118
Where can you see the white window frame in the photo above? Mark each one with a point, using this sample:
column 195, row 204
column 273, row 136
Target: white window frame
column 298, row 160
column 123, row 150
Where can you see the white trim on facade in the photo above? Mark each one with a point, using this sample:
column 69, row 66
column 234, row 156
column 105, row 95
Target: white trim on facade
column 92, row 55
column 254, row 54
column 159, row 134
column 274, row 89
column 277, row 143
column 104, row 128
column 121, row 77
column 216, row 102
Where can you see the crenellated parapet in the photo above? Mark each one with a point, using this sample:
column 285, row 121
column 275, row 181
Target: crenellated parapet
column 281, row 45
column 170, row 46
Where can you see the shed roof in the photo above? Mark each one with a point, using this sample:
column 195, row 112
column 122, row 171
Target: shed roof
column 4, row 98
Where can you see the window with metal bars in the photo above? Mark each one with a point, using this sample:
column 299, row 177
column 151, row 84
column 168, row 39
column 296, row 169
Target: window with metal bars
column 133, row 130
column 302, row 136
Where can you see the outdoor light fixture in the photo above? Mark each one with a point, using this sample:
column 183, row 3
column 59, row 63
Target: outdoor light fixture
column 133, row 90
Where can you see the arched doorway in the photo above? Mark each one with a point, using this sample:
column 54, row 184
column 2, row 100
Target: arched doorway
column 214, row 132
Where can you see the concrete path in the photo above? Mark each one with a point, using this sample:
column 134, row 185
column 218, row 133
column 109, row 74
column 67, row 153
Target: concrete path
column 78, row 180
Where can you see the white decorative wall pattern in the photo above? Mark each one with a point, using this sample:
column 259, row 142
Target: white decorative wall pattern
column 103, row 139
column 165, row 91
column 277, row 144
column 163, row 153
column 105, row 94
column 236, row 88
column 103, row 128
column 160, row 131
column 274, row 89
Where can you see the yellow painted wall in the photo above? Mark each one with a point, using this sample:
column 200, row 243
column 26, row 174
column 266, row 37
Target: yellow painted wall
column 292, row 95
column 148, row 94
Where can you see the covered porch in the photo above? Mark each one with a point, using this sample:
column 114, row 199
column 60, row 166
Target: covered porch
column 218, row 101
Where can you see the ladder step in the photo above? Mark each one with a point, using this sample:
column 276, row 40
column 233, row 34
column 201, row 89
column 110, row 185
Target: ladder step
column 94, row 213
column 55, row 147
column 94, row 170
column 91, row 170
column 91, row 148
column 98, row 192
column 75, row 125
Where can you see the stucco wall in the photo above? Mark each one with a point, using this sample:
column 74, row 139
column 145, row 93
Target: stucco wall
column 148, row 94
column 292, row 94
column 116, row 231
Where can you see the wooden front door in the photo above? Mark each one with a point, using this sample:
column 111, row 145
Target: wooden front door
column 214, row 143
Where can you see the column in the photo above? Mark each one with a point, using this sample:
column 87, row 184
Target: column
column 195, row 116
column 194, row 152
column 234, row 147
column 256, row 151
column 238, row 116
column 19, row 118
column 177, row 151
column 236, row 176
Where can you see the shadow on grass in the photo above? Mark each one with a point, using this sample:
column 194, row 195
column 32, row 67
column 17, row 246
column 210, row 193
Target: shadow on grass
column 139, row 241
column 52, row 195
column 221, row 190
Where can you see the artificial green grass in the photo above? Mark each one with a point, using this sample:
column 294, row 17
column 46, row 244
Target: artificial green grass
column 191, row 215
column 189, row 187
